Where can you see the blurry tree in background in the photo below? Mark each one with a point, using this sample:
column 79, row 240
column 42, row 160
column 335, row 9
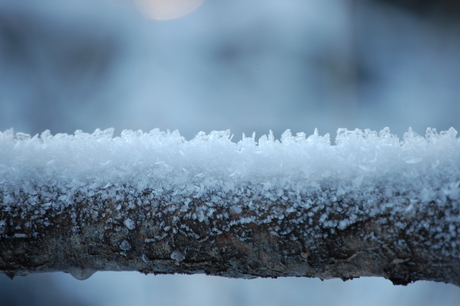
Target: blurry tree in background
column 37, row 291
column 439, row 9
column 47, row 68
column 247, row 67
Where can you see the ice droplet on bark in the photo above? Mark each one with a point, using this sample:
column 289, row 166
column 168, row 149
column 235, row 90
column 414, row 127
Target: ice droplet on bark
column 81, row 273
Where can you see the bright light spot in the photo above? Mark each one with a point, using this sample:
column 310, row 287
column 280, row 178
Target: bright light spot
column 167, row 9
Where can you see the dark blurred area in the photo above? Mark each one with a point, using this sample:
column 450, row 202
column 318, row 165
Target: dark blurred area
column 52, row 67
column 439, row 9
column 355, row 64
column 36, row 290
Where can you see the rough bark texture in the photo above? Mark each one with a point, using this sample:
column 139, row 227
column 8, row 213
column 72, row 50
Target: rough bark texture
column 144, row 231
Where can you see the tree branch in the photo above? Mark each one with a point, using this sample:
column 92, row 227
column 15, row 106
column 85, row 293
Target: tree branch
column 371, row 205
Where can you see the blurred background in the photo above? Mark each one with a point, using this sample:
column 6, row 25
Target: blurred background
column 247, row 66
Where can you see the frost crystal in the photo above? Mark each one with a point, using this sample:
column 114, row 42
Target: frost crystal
column 177, row 256
column 130, row 224
column 125, row 245
column 2, row 226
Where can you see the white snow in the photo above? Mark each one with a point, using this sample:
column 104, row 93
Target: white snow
column 365, row 173
column 125, row 245
column 130, row 224
column 177, row 256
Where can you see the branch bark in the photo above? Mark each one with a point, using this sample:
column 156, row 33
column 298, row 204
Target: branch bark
column 401, row 225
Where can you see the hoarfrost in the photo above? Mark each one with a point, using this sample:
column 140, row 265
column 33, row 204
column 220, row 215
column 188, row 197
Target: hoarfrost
column 125, row 245
column 2, row 227
column 177, row 256
column 212, row 177
column 130, row 224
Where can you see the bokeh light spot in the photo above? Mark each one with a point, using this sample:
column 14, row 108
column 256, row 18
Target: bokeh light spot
column 167, row 9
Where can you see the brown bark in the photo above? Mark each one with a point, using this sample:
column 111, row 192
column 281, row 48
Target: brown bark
column 318, row 232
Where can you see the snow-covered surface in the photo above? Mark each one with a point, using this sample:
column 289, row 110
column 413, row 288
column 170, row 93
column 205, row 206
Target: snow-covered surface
column 364, row 174
column 157, row 154
column 158, row 160
column 244, row 65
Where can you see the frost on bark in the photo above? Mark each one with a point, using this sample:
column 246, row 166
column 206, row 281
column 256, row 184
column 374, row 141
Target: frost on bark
column 370, row 205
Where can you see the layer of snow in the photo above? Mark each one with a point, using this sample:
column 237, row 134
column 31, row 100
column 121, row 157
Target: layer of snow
column 364, row 174
column 165, row 159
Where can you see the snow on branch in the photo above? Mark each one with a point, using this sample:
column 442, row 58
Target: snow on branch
column 368, row 205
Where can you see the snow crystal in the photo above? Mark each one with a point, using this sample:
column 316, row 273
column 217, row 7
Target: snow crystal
column 125, row 245
column 2, row 227
column 130, row 224
column 20, row 235
column 177, row 256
